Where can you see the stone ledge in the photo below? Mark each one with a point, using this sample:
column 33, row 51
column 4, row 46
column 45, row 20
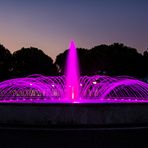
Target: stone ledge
column 74, row 114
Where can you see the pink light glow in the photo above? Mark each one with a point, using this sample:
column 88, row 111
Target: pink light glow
column 72, row 88
column 94, row 82
column 72, row 74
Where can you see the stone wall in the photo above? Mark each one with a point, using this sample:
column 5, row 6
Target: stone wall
column 73, row 114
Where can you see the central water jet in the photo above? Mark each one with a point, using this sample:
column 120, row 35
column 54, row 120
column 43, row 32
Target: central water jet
column 72, row 74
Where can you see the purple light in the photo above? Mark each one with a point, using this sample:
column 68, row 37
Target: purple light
column 94, row 82
column 72, row 74
column 72, row 88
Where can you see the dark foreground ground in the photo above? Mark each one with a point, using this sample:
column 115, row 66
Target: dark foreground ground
column 74, row 125
column 74, row 137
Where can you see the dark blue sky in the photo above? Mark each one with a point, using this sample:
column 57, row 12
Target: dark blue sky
column 51, row 24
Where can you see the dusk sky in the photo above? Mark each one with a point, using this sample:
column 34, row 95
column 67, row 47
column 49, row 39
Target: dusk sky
column 51, row 24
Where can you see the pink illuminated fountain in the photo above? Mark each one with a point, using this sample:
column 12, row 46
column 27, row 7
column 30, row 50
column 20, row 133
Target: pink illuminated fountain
column 73, row 88
column 72, row 75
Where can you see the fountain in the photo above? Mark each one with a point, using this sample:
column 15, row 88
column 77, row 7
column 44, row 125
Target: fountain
column 73, row 100
column 72, row 75
column 73, row 88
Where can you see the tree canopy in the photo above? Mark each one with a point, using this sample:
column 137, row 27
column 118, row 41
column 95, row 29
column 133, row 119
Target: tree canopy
column 5, row 62
column 32, row 60
column 115, row 59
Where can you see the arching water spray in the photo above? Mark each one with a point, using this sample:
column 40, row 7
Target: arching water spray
column 72, row 88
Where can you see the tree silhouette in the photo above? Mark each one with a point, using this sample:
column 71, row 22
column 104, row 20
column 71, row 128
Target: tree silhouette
column 145, row 58
column 115, row 59
column 126, row 61
column 32, row 60
column 5, row 63
column 60, row 62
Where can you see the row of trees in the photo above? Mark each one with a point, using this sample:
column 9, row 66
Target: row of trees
column 115, row 59
column 24, row 62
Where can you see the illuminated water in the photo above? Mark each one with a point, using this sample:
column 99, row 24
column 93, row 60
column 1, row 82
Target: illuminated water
column 72, row 88
column 72, row 75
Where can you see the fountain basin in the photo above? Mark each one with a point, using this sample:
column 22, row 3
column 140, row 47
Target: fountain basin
column 73, row 114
